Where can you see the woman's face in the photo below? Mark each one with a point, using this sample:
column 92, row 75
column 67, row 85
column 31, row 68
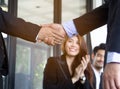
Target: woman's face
column 72, row 46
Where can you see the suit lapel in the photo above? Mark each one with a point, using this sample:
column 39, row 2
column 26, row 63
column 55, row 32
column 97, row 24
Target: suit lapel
column 100, row 86
column 64, row 66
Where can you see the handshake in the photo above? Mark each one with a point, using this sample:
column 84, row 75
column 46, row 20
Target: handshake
column 51, row 34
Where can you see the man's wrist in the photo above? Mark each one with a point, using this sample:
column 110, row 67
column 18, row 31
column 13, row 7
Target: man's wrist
column 70, row 29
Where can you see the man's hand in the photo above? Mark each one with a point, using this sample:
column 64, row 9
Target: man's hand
column 111, row 76
column 50, row 35
column 59, row 32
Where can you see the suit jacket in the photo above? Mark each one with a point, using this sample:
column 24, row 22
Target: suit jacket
column 107, row 13
column 101, row 79
column 54, row 78
column 94, row 83
column 15, row 27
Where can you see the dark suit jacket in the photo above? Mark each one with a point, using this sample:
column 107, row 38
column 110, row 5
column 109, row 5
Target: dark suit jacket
column 54, row 78
column 107, row 13
column 94, row 83
column 15, row 27
column 101, row 82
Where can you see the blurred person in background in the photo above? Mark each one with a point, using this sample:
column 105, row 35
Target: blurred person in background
column 98, row 57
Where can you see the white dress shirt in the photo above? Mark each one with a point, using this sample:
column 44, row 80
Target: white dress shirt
column 97, row 76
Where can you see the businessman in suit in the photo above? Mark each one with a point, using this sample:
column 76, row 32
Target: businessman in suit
column 97, row 58
column 107, row 13
column 19, row 28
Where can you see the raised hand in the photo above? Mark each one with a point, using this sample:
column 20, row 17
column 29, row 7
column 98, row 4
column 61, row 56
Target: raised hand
column 79, row 71
column 85, row 61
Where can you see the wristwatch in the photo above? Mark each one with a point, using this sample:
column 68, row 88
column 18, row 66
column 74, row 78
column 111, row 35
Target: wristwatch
column 82, row 79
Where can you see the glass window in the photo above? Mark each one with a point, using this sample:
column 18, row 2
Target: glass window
column 31, row 57
column 72, row 9
column 98, row 35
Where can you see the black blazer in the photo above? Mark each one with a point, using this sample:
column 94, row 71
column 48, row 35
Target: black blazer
column 15, row 27
column 55, row 79
column 101, row 82
column 107, row 13
column 94, row 83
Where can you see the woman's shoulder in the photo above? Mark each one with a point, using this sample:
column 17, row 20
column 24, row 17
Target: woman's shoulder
column 52, row 60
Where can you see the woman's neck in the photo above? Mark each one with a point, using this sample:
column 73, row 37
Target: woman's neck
column 70, row 59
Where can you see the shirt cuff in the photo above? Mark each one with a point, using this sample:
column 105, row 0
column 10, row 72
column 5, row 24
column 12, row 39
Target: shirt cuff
column 113, row 57
column 70, row 28
column 36, row 38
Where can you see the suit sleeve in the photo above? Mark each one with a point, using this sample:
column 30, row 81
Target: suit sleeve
column 52, row 77
column 91, row 20
column 17, row 27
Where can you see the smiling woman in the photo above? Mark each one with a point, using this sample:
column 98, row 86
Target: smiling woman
column 72, row 70
column 71, row 47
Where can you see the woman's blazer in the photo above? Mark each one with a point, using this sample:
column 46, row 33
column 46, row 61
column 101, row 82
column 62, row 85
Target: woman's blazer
column 54, row 77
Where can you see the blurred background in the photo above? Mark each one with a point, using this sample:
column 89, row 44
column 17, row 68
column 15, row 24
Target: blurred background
column 26, row 59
